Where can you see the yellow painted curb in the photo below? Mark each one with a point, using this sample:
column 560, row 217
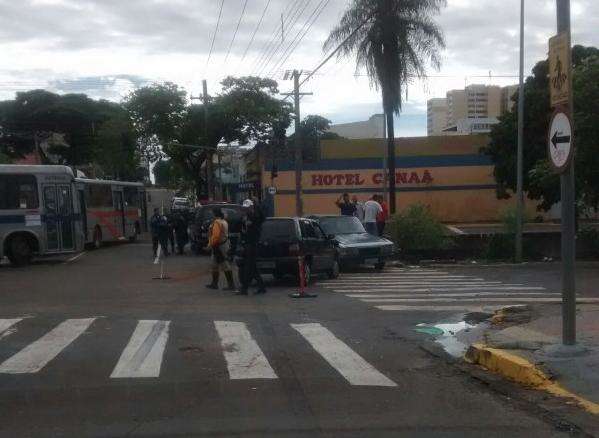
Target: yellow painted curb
column 520, row 370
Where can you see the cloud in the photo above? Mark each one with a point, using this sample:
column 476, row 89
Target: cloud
column 107, row 47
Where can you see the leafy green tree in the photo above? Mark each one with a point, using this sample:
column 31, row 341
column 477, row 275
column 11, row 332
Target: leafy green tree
column 540, row 182
column 313, row 129
column 158, row 113
column 393, row 40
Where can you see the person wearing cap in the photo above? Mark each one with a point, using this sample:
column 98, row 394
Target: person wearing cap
column 250, row 235
column 218, row 243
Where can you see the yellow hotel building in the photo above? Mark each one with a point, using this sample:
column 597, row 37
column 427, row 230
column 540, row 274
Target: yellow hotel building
column 447, row 173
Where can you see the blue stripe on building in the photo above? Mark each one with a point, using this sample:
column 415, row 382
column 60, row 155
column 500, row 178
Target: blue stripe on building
column 399, row 189
column 400, row 162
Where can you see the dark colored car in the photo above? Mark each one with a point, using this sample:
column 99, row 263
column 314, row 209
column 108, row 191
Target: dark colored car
column 284, row 239
column 354, row 245
column 198, row 228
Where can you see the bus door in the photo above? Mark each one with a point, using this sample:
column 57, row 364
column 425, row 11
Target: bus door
column 59, row 226
column 83, row 210
column 119, row 210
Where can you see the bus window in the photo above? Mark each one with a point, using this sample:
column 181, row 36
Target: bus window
column 100, row 195
column 18, row 192
column 131, row 196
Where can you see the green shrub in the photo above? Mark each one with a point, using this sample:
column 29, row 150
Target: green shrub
column 589, row 237
column 417, row 229
column 502, row 245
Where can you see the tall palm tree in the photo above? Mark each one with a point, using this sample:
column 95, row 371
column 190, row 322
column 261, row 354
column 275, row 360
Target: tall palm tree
column 394, row 40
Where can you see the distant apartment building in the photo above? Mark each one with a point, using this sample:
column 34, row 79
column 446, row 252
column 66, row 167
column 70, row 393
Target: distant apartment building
column 374, row 127
column 436, row 113
column 473, row 110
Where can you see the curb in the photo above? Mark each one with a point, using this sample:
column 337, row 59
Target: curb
column 521, row 371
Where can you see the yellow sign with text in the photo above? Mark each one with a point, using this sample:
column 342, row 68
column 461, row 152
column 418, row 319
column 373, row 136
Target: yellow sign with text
column 559, row 69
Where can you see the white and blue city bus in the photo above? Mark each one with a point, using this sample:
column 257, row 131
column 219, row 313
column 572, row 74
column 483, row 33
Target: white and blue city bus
column 39, row 212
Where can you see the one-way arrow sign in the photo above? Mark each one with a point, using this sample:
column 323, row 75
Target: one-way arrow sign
column 560, row 141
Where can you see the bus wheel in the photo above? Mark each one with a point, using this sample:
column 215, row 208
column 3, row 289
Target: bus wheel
column 20, row 251
column 97, row 238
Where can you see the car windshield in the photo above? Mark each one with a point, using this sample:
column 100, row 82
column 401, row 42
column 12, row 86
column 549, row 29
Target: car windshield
column 341, row 225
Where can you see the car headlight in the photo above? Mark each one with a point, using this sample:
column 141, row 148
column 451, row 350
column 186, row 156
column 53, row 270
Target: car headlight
column 345, row 251
column 387, row 249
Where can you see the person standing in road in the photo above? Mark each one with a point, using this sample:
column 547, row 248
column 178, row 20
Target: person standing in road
column 218, row 243
column 347, row 208
column 170, row 221
column 250, row 235
column 371, row 209
column 163, row 231
column 180, row 232
column 381, row 218
column 155, row 230
column 359, row 208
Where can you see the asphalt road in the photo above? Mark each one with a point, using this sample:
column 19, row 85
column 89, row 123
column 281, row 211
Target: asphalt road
column 96, row 347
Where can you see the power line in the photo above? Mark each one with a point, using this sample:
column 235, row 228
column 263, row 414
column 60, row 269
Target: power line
column 295, row 19
column 303, row 31
column 220, row 12
column 255, row 31
column 268, row 46
column 236, row 29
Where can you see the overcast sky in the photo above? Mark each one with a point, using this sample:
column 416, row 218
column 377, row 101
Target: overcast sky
column 106, row 48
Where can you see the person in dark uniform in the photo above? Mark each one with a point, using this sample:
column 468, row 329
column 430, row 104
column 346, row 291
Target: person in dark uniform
column 250, row 235
column 163, row 232
column 155, row 230
column 170, row 220
column 180, row 224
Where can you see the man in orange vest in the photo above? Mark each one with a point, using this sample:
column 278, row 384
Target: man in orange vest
column 218, row 243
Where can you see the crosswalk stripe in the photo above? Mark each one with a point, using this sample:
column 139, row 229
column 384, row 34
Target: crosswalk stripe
column 142, row 357
column 489, row 300
column 245, row 359
column 36, row 355
column 6, row 324
column 412, row 278
column 341, row 357
column 465, row 295
column 351, row 289
column 421, row 283
column 461, row 309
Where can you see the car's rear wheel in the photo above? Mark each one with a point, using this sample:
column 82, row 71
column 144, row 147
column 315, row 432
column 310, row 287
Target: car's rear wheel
column 334, row 271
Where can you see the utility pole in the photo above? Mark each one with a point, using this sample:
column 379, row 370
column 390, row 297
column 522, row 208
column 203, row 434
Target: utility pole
column 568, row 202
column 209, row 176
column 520, row 157
column 298, row 142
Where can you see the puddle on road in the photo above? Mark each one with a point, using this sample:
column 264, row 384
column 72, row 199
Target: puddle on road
column 446, row 335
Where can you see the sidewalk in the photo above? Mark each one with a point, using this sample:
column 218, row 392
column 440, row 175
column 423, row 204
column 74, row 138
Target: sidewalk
column 515, row 346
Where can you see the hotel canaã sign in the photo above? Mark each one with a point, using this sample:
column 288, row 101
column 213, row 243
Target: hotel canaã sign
column 360, row 179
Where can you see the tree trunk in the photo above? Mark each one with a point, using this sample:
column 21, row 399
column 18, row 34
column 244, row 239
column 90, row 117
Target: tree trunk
column 391, row 160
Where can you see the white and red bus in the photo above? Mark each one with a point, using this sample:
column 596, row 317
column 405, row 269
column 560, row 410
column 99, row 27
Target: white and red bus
column 111, row 210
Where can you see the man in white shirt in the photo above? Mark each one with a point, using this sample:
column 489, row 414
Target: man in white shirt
column 371, row 209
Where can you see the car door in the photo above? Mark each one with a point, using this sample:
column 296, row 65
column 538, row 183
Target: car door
column 313, row 245
column 326, row 248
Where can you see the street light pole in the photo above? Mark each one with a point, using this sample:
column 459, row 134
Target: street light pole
column 520, row 176
column 568, row 203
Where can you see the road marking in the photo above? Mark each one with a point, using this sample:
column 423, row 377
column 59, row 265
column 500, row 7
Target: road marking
column 482, row 300
column 72, row 259
column 434, row 289
column 36, row 355
column 412, row 278
column 6, row 324
column 142, row 357
column 466, row 294
column 461, row 309
column 420, row 283
column 244, row 357
column 346, row 361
